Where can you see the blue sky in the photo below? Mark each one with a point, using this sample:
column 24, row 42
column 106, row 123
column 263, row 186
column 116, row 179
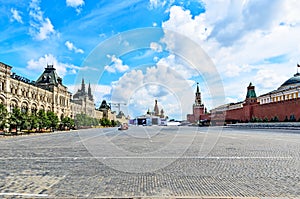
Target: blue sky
column 128, row 51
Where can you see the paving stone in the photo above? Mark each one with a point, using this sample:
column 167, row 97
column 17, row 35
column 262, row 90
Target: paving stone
column 201, row 162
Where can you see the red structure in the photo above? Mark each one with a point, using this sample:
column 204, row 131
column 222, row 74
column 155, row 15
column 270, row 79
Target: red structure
column 198, row 108
column 282, row 104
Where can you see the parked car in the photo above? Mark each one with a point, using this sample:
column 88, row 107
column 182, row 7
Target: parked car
column 123, row 126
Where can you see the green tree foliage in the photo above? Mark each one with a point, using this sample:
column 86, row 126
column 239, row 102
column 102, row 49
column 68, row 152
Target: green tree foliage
column 67, row 122
column 15, row 119
column 43, row 120
column 52, row 120
column 292, row 118
column 265, row 119
column 3, row 116
column 105, row 122
column 82, row 120
column 33, row 121
column 274, row 119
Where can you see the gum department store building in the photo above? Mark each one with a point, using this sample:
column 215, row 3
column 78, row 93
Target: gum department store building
column 47, row 93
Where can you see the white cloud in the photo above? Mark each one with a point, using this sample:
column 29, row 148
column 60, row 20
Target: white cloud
column 182, row 22
column 71, row 47
column 157, row 3
column 183, row 69
column 109, row 69
column 239, row 36
column 48, row 59
column 16, row 16
column 158, row 82
column 40, row 28
column 156, row 47
column 117, row 65
column 45, row 30
column 77, row 4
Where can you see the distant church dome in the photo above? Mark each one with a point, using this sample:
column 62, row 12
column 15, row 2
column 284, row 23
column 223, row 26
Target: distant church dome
column 292, row 82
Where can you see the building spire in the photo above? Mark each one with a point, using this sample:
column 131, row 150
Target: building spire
column 90, row 92
column 156, row 110
column 82, row 86
column 197, row 96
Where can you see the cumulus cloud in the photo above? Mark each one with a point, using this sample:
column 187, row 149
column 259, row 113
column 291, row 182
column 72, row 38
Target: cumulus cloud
column 182, row 68
column 61, row 68
column 71, row 47
column 40, row 28
column 239, row 36
column 15, row 16
column 156, row 47
column 160, row 82
column 183, row 22
column 117, row 65
column 77, row 4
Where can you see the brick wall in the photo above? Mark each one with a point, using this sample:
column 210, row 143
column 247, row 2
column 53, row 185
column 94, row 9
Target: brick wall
column 279, row 109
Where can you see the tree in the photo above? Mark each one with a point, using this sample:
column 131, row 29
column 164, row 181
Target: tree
column 286, row 119
column 34, row 121
column 82, row 120
column 15, row 119
column 292, row 118
column 43, row 119
column 3, row 116
column 25, row 121
column 52, row 120
column 67, row 122
column 105, row 122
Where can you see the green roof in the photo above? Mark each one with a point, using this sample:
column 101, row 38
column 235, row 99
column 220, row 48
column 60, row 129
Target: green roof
column 49, row 77
column 251, row 92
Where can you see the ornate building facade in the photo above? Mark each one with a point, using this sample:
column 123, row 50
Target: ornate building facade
column 47, row 93
column 83, row 102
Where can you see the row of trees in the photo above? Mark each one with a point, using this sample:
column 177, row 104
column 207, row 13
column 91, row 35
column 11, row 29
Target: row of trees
column 18, row 120
column 82, row 120
column 274, row 119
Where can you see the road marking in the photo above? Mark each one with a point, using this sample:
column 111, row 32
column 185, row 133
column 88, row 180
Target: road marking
column 146, row 157
column 23, row 194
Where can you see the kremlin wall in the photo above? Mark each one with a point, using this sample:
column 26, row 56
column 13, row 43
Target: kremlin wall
column 282, row 104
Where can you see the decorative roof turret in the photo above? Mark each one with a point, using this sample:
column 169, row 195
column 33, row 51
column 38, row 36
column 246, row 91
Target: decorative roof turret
column 48, row 78
column 251, row 91
column 251, row 95
column 90, row 92
column 104, row 106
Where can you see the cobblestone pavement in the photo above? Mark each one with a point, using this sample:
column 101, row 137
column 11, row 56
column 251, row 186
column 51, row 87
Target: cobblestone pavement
column 152, row 162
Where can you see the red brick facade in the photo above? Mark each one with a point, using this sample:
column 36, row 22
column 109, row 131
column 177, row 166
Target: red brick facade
column 282, row 110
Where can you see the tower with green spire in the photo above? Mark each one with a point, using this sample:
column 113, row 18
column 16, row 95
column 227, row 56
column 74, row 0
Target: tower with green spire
column 251, row 97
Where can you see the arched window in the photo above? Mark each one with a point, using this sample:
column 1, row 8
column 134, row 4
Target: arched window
column 24, row 107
